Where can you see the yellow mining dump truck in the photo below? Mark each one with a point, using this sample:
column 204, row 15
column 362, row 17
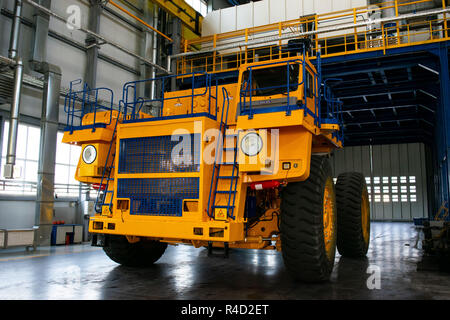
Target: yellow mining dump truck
column 237, row 165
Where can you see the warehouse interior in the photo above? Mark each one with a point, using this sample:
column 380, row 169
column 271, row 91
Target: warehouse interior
column 388, row 65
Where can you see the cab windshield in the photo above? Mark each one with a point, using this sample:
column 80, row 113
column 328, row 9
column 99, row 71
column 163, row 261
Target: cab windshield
column 270, row 81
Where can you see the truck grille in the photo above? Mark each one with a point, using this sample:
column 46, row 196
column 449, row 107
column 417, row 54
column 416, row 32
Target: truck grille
column 158, row 196
column 160, row 154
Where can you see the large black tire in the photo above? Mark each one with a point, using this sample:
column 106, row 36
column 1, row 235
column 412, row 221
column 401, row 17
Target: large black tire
column 143, row 253
column 302, row 229
column 353, row 215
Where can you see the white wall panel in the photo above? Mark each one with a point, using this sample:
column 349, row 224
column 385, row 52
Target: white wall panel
column 244, row 16
column 261, row 13
column 271, row 11
column 211, row 23
column 277, row 11
column 228, row 20
column 293, row 9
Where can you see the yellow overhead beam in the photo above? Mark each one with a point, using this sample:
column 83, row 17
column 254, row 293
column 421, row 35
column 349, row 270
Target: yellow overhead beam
column 138, row 19
column 179, row 8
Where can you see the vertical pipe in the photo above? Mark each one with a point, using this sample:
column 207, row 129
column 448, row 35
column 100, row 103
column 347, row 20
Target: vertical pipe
column 176, row 48
column 92, row 52
column 14, row 122
column 47, row 153
column 15, row 31
column 40, row 33
column 15, row 104
column 154, row 53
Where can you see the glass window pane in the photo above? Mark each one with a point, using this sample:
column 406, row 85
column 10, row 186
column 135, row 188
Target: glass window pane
column 21, row 142
column 62, row 152
column 31, row 170
column 72, row 180
column 34, row 141
column 75, row 152
column 61, row 174
column 5, row 138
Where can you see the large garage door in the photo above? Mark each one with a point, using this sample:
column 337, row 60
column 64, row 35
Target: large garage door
column 395, row 176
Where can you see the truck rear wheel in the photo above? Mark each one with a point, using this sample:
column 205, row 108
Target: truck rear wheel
column 139, row 254
column 308, row 224
column 353, row 215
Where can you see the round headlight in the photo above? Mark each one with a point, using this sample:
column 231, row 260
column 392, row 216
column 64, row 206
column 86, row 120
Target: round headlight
column 251, row 144
column 89, row 154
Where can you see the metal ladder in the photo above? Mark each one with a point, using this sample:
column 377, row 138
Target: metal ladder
column 106, row 176
column 218, row 163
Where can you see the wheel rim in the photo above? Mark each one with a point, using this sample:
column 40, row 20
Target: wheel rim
column 329, row 218
column 365, row 216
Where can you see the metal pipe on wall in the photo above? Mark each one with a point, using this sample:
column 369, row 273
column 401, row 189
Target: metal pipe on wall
column 98, row 37
column 10, row 170
column 47, row 152
column 40, row 34
column 15, row 31
column 154, row 51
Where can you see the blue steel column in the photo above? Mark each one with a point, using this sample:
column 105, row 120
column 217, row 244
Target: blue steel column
column 443, row 125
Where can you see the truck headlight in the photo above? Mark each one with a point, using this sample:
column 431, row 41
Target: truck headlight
column 89, row 154
column 251, row 144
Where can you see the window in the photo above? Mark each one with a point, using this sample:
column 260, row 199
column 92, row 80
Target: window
column 392, row 189
column 66, row 164
column 309, row 85
column 271, row 80
column 199, row 5
column 27, row 157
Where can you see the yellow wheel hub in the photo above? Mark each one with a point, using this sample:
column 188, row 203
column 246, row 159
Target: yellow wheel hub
column 329, row 218
column 365, row 216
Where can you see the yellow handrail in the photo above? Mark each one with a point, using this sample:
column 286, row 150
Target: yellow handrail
column 382, row 38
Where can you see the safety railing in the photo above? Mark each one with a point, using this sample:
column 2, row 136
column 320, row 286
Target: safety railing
column 333, row 109
column 202, row 84
column 331, row 114
column 332, row 33
column 18, row 187
column 78, row 104
column 249, row 91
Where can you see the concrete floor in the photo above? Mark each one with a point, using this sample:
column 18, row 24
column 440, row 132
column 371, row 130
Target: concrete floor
column 84, row 272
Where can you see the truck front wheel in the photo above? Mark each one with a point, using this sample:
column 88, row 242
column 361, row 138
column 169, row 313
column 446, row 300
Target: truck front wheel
column 308, row 224
column 143, row 253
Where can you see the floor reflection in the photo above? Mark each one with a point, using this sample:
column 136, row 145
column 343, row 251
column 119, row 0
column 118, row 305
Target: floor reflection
column 83, row 272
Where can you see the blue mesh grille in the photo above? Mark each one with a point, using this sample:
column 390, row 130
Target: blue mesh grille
column 154, row 154
column 158, row 196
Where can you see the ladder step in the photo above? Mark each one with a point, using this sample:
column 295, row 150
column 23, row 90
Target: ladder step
column 225, row 192
column 228, row 177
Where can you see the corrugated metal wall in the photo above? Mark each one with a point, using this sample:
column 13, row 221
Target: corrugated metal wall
column 395, row 175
